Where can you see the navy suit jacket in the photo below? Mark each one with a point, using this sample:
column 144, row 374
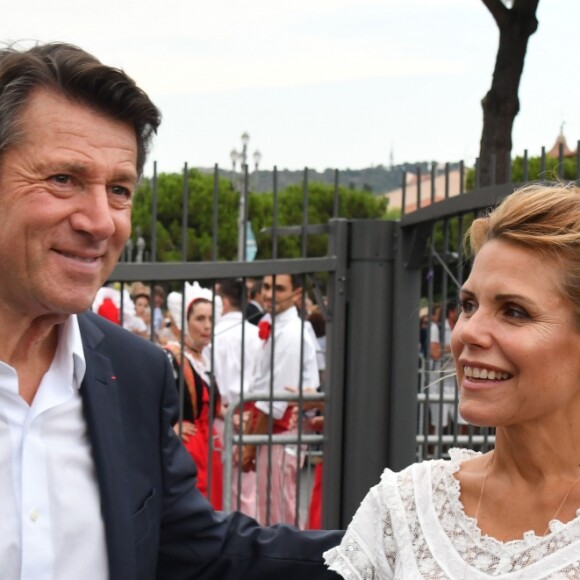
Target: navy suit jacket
column 253, row 313
column 158, row 526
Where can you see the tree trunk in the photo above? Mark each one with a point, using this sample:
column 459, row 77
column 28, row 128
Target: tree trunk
column 501, row 103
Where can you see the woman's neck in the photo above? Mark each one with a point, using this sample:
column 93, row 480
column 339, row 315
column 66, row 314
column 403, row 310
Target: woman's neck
column 537, row 453
column 194, row 350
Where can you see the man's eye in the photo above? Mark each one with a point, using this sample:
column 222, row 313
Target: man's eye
column 61, row 178
column 121, row 191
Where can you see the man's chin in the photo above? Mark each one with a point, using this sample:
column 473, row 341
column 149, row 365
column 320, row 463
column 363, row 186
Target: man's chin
column 71, row 304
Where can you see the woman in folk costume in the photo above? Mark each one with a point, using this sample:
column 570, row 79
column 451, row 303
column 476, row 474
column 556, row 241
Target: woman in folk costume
column 197, row 429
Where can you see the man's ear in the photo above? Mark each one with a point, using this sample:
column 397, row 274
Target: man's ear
column 225, row 302
column 297, row 297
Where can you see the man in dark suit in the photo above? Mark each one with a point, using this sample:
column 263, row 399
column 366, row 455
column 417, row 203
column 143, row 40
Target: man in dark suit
column 95, row 484
column 255, row 308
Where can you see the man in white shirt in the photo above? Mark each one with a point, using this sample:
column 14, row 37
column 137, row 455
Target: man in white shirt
column 443, row 413
column 236, row 348
column 94, row 482
column 287, row 360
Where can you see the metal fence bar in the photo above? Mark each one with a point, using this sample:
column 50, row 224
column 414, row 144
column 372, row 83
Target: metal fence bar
column 404, row 418
column 459, row 440
column 336, row 330
column 215, row 214
column 336, row 195
column 154, row 210
column 275, row 215
column 543, row 163
column 169, row 271
column 245, row 193
column 304, row 240
column 403, row 192
column 418, row 186
column 433, row 176
column 368, row 358
column 184, row 213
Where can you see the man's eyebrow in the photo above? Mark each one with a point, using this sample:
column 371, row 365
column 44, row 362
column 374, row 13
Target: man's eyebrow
column 82, row 169
column 67, row 167
column 125, row 176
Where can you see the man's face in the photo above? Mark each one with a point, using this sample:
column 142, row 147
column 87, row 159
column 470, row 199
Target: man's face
column 279, row 286
column 65, row 199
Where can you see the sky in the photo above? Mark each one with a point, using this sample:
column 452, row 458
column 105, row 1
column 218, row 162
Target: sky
column 319, row 83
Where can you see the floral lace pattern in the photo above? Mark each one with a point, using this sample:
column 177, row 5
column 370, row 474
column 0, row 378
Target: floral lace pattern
column 412, row 525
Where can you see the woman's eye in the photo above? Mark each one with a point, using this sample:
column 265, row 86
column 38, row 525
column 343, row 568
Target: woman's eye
column 467, row 306
column 516, row 312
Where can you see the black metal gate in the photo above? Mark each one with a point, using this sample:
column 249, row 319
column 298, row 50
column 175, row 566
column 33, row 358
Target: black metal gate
column 379, row 275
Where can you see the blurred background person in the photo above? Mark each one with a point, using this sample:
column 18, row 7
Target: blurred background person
column 255, row 306
column 197, row 430
column 316, row 319
column 236, row 346
column 287, row 359
column 158, row 307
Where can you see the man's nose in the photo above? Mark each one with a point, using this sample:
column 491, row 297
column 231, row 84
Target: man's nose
column 94, row 214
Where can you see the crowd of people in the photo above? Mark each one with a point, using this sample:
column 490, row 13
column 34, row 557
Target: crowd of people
column 438, row 368
column 225, row 353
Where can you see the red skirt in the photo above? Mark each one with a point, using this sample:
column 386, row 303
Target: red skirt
column 315, row 510
column 198, row 447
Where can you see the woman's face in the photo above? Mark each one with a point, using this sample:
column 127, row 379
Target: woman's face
column 141, row 305
column 516, row 348
column 199, row 324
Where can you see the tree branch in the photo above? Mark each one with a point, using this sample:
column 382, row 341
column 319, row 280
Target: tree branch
column 499, row 11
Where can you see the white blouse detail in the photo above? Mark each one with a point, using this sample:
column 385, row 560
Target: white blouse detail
column 412, row 526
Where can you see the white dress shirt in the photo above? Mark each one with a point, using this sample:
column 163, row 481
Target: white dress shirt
column 50, row 518
column 289, row 332
column 227, row 359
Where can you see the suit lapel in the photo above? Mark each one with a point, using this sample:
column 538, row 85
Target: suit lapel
column 99, row 393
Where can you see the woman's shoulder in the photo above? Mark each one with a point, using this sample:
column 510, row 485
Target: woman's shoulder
column 457, row 457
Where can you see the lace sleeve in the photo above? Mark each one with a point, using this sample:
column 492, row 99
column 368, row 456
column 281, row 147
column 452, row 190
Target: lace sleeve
column 362, row 553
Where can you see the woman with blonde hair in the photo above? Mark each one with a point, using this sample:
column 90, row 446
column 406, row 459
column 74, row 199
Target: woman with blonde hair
column 513, row 512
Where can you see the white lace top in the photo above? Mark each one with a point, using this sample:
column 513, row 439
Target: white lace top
column 412, row 525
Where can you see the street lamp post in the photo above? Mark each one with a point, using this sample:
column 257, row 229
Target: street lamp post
column 242, row 158
column 257, row 158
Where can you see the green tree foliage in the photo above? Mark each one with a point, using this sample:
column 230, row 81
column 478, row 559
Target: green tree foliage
column 352, row 204
column 551, row 172
column 198, row 242
column 200, row 186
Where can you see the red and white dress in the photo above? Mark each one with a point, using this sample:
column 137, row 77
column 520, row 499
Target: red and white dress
column 196, row 409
